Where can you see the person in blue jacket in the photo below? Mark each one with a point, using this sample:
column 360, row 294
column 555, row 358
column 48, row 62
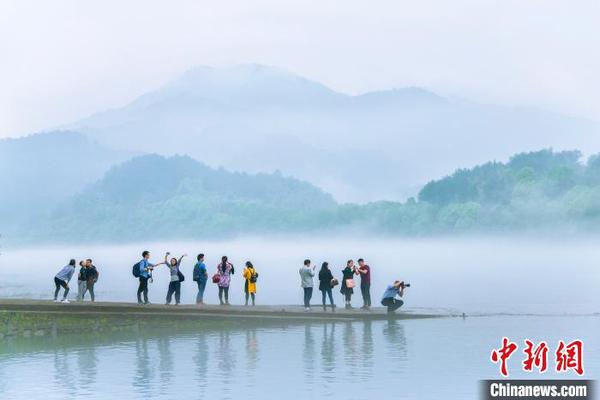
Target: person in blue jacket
column 145, row 268
column 200, row 276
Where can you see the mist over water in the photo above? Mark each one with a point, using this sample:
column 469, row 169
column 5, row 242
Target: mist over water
column 486, row 275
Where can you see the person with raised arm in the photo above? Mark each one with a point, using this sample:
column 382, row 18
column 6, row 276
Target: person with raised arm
column 143, row 271
column 176, row 277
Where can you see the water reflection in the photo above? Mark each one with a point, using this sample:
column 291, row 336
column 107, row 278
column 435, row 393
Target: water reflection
column 200, row 360
column 223, row 360
column 143, row 375
column 87, row 362
column 267, row 360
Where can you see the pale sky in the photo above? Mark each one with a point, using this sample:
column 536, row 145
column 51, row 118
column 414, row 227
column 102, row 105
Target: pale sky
column 63, row 60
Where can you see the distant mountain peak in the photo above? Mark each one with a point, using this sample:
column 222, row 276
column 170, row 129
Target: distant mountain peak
column 409, row 94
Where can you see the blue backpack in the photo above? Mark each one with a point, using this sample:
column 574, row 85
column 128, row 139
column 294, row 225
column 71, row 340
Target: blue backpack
column 136, row 270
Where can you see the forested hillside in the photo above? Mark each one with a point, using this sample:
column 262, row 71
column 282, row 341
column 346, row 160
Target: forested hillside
column 156, row 198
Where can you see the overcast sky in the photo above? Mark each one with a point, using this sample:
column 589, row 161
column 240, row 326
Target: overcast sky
column 62, row 60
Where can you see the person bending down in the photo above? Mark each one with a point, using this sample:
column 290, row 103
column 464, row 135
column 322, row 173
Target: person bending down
column 389, row 296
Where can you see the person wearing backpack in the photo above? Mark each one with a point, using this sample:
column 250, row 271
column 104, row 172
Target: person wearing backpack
column 224, row 272
column 250, row 275
column 326, row 282
column 200, row 277
column 62, row 280
column 92, row 278
column 176, row 278
column 143, row 271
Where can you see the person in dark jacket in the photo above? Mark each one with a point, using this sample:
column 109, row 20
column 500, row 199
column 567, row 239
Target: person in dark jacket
column 81, row 280
column 92, row 278
column 348, row 282
column 326, row 282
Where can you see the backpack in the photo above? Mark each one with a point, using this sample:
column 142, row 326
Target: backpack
column 180, row 276
column 196, row 273
column 253, row 277
column 136, row 270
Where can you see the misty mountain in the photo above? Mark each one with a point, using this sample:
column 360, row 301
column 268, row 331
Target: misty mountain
column 379, row 145
column 37, row 172
column 155, row 197
column 151, row 197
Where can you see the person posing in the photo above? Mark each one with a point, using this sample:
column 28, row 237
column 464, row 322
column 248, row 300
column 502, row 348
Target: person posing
column 250, row 275
column 92, row 278
column 224, row 270
column 348, row 283
column 62, row 280
column 81, row 280
column 307, row 272
column 389, row 299
column 145, row 273
column 176, row 278
column 326, row 285
column 200, row 276
column 365, row 283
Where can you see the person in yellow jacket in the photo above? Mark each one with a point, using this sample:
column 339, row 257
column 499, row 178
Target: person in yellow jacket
column 250, row 275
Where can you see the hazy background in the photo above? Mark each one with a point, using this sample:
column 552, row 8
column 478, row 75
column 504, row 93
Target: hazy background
column 63, row 60
column 247, row 118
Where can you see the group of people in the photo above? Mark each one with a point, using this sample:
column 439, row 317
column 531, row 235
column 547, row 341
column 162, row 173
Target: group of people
column 143, row 270
column 86, row 280
column 327, row 282
column 222, row 277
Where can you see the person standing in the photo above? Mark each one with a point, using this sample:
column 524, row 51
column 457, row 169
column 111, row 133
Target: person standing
column 144, row 268
column 389, row 299
column 92, row 278
column 307, row 272
column 365, row 283
column 250, row 275
column 175, row 279
column 326, row 285
column 224, row 270
column 81, row 280
column 348, row 283
column 200, row 276
column 62, row 278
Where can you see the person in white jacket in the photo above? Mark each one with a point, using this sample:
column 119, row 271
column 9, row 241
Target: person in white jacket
column 307, row 272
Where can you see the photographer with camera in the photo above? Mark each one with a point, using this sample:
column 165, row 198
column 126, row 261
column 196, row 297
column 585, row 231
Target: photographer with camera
column 389, row 296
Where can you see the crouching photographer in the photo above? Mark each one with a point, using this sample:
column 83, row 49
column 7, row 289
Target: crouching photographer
column 389, row 296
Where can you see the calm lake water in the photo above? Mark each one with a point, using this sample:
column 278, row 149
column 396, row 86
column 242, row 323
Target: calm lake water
column 412, row 359
column 418, row 359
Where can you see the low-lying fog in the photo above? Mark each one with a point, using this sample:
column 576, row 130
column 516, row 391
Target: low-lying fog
column 470, row 275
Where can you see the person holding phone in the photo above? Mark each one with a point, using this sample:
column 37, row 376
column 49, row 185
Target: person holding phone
column 307, row 272
column 348, row 283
